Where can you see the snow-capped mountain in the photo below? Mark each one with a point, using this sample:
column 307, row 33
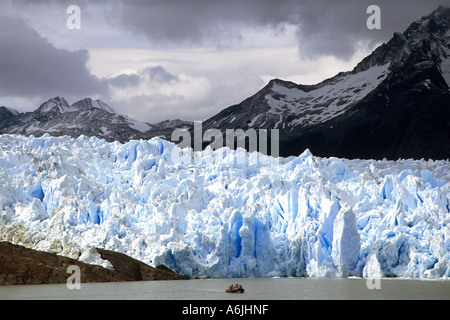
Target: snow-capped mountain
column 88, row 103
column 394, row 104
column 85, row 117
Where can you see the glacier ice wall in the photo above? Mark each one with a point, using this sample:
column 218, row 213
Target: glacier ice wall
column 215, row 216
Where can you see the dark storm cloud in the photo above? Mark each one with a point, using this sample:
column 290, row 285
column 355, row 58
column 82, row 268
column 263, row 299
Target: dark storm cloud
column 323, row 27
column 198, row 20
column 31, row 66
column 336, row 29
column 159, row 74
column 155, row 74
column 124, row 80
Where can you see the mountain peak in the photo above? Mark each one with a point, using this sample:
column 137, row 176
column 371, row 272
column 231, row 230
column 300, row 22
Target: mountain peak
column 88, row 103
column 427, row 36
column 12, row 111
column 434, row 25
column 7, row 113
column 441, row 12
column 58, row 104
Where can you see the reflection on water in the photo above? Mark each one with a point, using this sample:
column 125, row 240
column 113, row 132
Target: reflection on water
column 255, row 289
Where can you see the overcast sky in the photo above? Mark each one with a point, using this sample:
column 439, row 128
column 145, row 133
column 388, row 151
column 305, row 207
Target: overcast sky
column 165, row 59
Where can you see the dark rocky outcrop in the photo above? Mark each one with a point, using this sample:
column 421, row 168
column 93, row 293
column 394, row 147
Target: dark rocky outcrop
column 137, row 270
column 20, row 265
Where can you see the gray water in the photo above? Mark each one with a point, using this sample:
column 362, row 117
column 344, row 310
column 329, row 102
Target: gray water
column 255, row 289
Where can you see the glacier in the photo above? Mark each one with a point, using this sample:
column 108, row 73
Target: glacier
column 225, row 214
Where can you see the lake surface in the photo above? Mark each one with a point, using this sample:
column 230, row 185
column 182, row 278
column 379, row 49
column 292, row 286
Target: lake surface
column 255, row 289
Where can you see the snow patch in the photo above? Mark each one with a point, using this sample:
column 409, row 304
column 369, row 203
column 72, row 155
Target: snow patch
column 328, row 100
column 445, row 68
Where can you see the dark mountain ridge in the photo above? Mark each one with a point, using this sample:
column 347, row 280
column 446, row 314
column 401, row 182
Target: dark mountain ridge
column 85, row 117
column 394, row 104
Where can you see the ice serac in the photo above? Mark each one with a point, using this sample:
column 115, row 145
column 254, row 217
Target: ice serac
column 223, row 213
column 346, row 242
column 372, row 269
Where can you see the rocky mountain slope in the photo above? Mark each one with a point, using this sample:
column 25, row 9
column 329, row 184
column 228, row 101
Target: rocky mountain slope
column 393, row 104
column 21, row 265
